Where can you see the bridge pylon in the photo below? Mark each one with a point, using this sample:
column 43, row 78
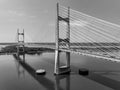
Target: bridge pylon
column 20, row 46
column 62, row 69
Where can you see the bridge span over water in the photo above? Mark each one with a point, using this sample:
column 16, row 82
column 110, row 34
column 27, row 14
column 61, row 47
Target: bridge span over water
column 79, row 33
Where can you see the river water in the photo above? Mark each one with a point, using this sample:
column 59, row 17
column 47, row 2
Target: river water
column 15, row 75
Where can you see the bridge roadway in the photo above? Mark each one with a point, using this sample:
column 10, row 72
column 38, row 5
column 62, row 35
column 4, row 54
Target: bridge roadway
column 73, row 50
column 91, row 45
column 81, row 52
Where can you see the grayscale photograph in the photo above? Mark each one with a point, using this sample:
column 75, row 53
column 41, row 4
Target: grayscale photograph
column 59, row 44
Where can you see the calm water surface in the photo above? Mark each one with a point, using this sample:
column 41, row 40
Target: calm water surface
column 16, row 75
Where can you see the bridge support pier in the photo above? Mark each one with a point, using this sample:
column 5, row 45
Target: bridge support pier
column 62, row 69
column 57, row 62
column 58, row 70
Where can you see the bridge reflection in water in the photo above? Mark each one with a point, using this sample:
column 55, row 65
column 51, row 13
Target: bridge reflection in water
column 44, row 81
column 59, row 80
column 80, row 28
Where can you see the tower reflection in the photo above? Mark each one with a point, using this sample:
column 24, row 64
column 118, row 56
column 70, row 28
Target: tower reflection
column 59, row 78
column 22, row 66
column 46, row 82
column 20, row 69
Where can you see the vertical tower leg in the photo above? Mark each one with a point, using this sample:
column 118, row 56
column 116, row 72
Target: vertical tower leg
column 57, row 62
column 18, row 51
column 68, row 38
column 23, row 46
column 18, row 42
column 23, row 53
column 57, row 57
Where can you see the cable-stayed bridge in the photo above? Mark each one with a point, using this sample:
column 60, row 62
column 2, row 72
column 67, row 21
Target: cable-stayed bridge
column 82, row 34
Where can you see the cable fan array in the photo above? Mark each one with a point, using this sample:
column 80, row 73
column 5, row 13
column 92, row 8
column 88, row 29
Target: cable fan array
column 89, row 35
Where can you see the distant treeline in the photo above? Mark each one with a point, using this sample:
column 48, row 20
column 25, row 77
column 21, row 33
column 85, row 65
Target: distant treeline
column 27, row 50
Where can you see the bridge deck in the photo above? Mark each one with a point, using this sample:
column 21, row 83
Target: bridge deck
column 77, row 50
column 101, row 55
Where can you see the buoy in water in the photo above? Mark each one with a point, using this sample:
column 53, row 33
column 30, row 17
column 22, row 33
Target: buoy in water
column 83, row 71
column 40, row 72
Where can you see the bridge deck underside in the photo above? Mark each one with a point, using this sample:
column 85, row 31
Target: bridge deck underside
column 90, row 51
column 101, row 55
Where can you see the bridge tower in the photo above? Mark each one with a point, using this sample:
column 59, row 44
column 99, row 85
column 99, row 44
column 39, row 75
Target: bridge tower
column 64, row 69
column 20, row 46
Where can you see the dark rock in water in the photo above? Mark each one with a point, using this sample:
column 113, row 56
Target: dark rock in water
column 83, row 71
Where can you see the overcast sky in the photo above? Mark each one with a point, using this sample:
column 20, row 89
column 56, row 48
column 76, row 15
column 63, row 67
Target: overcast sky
column 37, row 17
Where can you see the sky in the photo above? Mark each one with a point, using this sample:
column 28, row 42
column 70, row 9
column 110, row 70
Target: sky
column 38, row 17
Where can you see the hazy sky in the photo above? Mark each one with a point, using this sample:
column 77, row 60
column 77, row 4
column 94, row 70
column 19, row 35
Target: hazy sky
column 37, row 17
